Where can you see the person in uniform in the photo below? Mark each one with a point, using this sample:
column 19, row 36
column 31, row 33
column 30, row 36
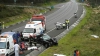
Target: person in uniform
column 67, row 23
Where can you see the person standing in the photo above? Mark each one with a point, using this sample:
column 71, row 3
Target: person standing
column 35, row 40
column 30, row 40
column 74, row 52
column 77, row 52
column 67, row 23
column 17, row 35
column 21, row 36
column 16, row 47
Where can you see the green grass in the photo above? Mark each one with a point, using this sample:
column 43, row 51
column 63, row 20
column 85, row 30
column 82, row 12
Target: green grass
column 78, row 38
column 9, row 20
column 18, row 19
column 15, row 19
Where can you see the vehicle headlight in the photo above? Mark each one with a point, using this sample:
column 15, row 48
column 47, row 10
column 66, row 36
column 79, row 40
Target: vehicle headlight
column 2, row 54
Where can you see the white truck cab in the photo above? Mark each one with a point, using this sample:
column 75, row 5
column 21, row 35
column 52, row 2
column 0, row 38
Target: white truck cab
column 6, row 44
column 32, row 28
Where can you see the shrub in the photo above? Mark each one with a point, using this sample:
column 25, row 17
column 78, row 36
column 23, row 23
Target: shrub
column 9, row 11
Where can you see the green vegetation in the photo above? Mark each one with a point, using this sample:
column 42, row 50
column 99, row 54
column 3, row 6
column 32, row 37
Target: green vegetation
column 9, row 11
column 80, row 37
column 12, row 15
column 93, row 3
column 30, row 2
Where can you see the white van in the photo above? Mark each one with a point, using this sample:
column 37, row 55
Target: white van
column 6, row 44
column 32, row 28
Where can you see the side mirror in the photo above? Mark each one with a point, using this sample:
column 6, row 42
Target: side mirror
column 7, row 45
column 34, row 30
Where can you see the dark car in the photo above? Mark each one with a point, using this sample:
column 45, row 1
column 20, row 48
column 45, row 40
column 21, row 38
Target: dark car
column 54, row 41
column 47, row 41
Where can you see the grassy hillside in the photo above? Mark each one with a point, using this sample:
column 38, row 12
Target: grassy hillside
column 80, row 37
column 12, row 15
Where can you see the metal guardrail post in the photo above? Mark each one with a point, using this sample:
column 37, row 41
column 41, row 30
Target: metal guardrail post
column 3, row 25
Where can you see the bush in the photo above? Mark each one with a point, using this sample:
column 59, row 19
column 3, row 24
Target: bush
column 9, row 11
column 93, row 29
column 2, row 7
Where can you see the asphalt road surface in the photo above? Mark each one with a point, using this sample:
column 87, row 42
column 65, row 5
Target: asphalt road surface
column 59, row 14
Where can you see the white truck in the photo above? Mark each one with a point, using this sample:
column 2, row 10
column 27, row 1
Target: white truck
column 6, row 44
column 32, row 28
column 41, row 18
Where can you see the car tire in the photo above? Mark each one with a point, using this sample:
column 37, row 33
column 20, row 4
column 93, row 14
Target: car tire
column 50, row 43
column 46, row 45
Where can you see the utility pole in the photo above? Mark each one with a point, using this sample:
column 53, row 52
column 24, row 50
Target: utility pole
column 3, row 25
column 32, row 3
column 0, row 27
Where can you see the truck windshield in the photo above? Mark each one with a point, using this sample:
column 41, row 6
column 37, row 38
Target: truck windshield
column 37, row 20
column 28, row 30
column 2, row 45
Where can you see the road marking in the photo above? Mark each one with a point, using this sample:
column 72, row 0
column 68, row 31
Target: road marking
column 51, row 30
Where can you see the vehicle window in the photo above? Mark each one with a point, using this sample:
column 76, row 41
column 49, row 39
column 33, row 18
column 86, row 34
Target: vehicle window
column 2, row 45
column 37, row 20
column 28, row 30
column 46, row 37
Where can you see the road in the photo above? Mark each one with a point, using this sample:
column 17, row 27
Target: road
column 62, row 12
column 66, row 11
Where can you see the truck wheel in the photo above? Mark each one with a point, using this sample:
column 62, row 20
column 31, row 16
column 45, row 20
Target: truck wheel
column 6, row 54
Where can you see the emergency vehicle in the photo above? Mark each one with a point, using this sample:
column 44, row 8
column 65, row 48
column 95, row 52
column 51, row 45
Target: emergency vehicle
column 41, row 18
column 33, row 28
column 6, row 44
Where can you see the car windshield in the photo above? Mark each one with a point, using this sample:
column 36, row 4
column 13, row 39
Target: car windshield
column 28, row 30
column 46, row 37
column 2, row 45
